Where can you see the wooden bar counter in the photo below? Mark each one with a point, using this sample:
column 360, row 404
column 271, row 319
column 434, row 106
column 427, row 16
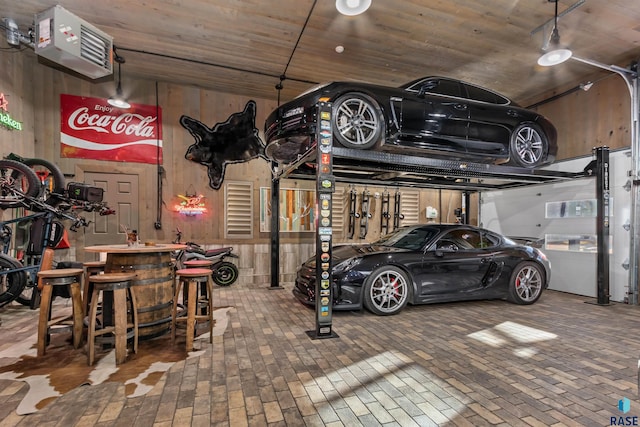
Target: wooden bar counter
column 154, row 281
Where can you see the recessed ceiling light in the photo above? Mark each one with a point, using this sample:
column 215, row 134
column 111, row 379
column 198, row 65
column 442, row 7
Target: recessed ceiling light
column 352, row 7
column 339, row 49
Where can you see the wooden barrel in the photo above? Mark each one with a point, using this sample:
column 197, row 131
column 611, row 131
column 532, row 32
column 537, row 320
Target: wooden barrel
column 153, row 287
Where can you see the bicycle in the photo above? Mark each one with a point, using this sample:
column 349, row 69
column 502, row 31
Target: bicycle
column 20, row 187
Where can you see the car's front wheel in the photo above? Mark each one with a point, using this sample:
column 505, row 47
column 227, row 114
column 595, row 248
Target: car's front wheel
column 529, row 146
column 357, row 121
column 525, row 286
column 386, row 291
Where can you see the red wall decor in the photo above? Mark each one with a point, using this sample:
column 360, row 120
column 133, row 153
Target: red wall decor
column 90, row 128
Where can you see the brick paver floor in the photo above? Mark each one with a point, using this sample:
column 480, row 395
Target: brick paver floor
column 559, row 362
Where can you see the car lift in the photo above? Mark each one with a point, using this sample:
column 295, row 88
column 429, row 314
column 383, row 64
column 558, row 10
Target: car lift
column 339, row 164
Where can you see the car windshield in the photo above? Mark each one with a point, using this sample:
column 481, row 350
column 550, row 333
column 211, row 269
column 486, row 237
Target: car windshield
column 408, row 238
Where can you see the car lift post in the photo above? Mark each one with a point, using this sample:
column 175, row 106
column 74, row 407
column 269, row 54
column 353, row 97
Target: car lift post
column 325, row 187
column 602, row 220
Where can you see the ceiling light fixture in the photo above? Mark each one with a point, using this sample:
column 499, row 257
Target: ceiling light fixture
column 12, row 33
column 352, row 7
column 118, row 100
column 556, row 54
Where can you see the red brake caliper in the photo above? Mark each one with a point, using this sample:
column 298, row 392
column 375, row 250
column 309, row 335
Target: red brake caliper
column 395, row 285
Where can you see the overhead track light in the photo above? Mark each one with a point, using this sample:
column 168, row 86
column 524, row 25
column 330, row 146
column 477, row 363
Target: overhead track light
column 352, row 7
column 118, row 100
column 557, row 54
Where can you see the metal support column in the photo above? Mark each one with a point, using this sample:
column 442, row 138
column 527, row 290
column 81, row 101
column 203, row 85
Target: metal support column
column 602, row 226
column 466, row 202
column 275, row 233
column 325, row 187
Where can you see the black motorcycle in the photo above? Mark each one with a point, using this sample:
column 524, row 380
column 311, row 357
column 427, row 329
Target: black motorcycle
column 225, row 273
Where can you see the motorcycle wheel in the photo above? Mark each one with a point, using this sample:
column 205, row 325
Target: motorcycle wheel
column 225, row 273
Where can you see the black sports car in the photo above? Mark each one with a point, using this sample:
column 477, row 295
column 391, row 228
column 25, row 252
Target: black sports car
column 433, row 116
column 430, row 263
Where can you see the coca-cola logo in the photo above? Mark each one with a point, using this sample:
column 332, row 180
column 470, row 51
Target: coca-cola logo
column 123, row 124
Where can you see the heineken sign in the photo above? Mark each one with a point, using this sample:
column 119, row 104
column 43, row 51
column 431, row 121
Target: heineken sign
column 5, row 119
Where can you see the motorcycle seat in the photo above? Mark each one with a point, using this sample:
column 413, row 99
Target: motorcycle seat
column 219, row 251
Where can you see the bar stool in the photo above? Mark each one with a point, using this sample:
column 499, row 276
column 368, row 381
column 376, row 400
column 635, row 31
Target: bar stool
column 192, row 278
column 90, row 268
column 200, row 263
column 46, row 263
column 47, row 279
column 119, row 285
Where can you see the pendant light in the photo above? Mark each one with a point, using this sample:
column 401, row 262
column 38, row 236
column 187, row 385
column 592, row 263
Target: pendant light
column 118, row 100
column 352, row 7
column 557, row 54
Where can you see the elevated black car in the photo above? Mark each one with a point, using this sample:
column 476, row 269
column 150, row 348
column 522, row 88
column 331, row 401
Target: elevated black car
column 430, row 263
column 433, row 116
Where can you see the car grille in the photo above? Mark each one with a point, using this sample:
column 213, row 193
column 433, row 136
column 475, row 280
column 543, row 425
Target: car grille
column 285, row 126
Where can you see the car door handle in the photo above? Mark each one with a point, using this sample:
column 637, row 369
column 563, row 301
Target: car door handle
column 460, row 106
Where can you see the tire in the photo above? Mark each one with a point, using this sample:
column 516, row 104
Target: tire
column 529, row 146
column 525, row 285
column 27, row 293
column 357, row 121
column 17, row 180
column 225, row 273
column 53, row 172
column 11, row 284
column 386, row 291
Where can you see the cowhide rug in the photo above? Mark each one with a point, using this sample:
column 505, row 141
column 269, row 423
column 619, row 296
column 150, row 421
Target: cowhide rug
column 64, row 368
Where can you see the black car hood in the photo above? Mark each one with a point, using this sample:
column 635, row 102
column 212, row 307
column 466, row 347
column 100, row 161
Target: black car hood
column 343, row 252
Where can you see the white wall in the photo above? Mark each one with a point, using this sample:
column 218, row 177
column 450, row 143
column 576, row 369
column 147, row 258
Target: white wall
column 521, row 212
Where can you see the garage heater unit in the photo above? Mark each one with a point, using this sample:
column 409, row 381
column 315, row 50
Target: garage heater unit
column 67, row 40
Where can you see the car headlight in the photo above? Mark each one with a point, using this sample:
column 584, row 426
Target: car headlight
column 541, row 254
column 346, row 265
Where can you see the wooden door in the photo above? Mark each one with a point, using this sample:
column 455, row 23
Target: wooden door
column 121, row 194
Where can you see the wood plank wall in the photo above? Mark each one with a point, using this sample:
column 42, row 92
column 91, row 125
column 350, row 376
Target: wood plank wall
column 584, row 120
column 598, row 117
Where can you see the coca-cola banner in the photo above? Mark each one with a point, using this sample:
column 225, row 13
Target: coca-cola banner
column 90, row 128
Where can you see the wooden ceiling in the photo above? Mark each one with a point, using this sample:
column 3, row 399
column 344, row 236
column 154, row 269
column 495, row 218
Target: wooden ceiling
column 244, row 46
